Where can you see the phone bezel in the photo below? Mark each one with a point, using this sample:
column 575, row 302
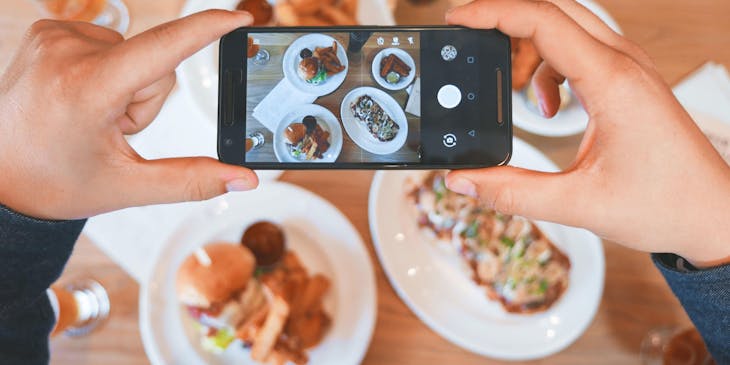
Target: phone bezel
column 230, row 58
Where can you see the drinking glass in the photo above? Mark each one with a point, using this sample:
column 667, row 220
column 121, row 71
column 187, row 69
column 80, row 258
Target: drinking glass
column 674, row 346
column 80, row 307
column 254, row 141
column 112, row 14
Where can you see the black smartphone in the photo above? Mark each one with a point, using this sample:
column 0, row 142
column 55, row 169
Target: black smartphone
column 365, row 98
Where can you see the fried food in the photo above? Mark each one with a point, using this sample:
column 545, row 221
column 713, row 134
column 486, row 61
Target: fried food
column 337, row 16
column 525, row 60
column 261, row 11
column 266, row 337
column 329, row 60
column 316, row 12
column 306, row 322
column 393, row 63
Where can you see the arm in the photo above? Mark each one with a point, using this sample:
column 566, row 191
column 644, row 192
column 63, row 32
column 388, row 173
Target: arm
column 705, row 296
column 34, row 253
column 645, row 176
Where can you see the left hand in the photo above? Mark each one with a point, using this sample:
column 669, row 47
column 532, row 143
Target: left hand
column 72, row 93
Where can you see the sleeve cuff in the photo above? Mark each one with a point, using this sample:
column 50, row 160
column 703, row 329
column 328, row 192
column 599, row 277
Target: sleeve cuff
column 34, row 253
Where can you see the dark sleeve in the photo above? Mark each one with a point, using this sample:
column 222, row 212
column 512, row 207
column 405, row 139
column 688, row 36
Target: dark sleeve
column 32, row 255
column 705, row 296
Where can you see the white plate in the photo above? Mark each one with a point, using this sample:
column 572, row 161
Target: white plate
column 199, row 73
column 403, row 55
column 326, row 242
column 571, row 120
column 359, row 132
column 326, row 120
column 432, row 283
column 291, row 60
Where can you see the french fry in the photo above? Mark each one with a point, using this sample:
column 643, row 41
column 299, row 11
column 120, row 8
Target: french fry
column 247, row 331
column 271, row 330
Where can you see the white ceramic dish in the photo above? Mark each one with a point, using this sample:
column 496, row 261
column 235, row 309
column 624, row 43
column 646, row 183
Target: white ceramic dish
column 326, row 243
column 569, row 121
column 326, row 120
column 291, row 60
column 432, row 282
column 359, row 132
column 199, row 73
column 404, row 81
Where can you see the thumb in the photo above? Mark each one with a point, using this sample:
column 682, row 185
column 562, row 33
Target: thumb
column 516, row 191
column 187, row 179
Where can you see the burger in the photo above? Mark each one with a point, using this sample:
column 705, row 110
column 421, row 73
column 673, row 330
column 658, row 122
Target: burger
column 310, row 70
column 219, row 293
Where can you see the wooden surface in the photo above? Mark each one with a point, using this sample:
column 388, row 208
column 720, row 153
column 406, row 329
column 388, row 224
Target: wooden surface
column 679, row 35
column 263, row 78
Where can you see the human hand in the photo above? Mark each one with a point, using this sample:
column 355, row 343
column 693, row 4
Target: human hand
column 644, row 176
column 72, row 93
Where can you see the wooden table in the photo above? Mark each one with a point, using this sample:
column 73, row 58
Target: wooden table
column 679, row 35
column 264, row 78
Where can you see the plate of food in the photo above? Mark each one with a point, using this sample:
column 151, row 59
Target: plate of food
column 309, row 133
column 571, row 118
column 199, row 73
column 274, row 285
column 315, row 64
column 394, row 69
column 501, row 286
column 374, row 120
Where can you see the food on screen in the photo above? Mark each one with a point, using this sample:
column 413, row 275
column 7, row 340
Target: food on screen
column 508, row 255
column 380, row 125
column 276, row 309
column 393, row 69
column 307, row 140
column 316, row 66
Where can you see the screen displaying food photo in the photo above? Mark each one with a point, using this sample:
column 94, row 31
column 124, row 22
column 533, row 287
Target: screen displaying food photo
column 345, row 97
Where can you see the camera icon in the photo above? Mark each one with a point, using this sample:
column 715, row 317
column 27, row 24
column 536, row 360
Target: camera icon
column 449, row 140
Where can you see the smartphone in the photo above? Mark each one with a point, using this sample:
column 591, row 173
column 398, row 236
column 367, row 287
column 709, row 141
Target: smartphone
column 365, row 98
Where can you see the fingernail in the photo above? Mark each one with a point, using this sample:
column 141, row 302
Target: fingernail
column 462, row 186
column 543, row 108
column 238, row 185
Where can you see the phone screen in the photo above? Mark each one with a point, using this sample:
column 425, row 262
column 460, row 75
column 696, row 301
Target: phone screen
column 376, row 97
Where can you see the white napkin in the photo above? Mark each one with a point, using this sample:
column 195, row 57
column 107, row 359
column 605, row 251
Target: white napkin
column 706, row 95
column 133, row 237
column 270, row 111
column 706, row 90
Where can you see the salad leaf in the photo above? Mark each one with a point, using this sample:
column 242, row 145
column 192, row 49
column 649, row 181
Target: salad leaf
column 218, row 342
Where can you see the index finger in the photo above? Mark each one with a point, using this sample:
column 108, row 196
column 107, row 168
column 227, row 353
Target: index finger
column 149, row 56
column 566, row 46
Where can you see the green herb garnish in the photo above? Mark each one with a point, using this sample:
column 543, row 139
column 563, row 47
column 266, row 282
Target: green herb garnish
column 507, row 241
column 543, row 287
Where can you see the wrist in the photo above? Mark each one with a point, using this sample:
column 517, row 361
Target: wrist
column 711, row 247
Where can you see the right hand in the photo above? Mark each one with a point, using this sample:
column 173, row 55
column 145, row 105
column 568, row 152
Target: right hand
column 644, row 176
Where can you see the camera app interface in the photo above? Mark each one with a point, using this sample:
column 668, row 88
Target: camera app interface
column 333, row 97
